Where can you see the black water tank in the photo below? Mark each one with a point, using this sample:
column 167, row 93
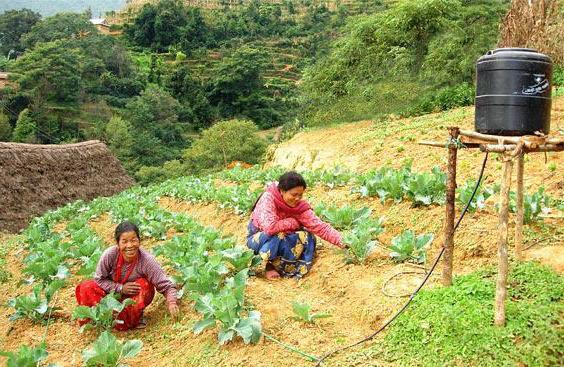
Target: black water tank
column 513, row 92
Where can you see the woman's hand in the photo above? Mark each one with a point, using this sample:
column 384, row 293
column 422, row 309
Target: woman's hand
column 173, row 310
column 130, row 289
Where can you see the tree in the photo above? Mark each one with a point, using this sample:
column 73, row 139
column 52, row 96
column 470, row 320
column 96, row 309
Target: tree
column 5, row 128
column 237, row 77
column 224, row 142
column 119, row 136
column 170, row 19
column 189, row 91
column 195, row 33
column 14, row 24
column 142, row 31
column 158, row 136
column 59, row 27
column 50, row 70
column 238, row 89
column 159, row 26
column 26, row 128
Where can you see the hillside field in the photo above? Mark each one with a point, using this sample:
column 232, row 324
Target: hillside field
column 352, row 294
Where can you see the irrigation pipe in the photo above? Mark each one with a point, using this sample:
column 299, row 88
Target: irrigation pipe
column 49, row 318
column 309, row 357
column 397, row 314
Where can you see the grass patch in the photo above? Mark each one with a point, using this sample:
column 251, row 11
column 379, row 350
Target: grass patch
column 454, row 326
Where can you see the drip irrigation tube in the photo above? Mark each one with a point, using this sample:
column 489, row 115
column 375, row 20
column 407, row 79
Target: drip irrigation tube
column 397, row 314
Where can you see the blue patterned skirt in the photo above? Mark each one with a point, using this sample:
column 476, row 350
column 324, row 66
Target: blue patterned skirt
column 290, row 254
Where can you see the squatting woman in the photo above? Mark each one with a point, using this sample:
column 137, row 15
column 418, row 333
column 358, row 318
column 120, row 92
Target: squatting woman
column 132, row 272
column 282, row 229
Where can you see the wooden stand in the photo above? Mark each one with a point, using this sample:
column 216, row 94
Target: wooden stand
column 511, row 147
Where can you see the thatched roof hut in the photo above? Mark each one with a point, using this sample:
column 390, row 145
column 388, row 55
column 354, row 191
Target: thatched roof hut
column 36, row 178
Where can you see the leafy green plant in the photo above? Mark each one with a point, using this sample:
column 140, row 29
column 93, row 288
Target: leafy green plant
column 427, row 188
column 334, row 177
column 35, row 306
column 344, row 217
column 408, row 246
column 25, row 356
column 240, row 259
column 102, row 316
column 533, row 205
column 226, row 308
column 302, row 312
column 46, row 260
column 478, row 202
column 362, row 239
column 386, row 183
column 107, row 351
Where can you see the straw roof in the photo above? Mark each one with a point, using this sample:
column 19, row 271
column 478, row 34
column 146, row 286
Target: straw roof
column 36, row 178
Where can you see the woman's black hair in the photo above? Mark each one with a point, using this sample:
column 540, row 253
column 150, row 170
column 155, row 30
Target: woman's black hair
column 286, row 182
column 126, row 226
column 291, row 179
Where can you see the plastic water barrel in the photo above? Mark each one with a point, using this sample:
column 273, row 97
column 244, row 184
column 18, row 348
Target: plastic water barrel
column 513, row 92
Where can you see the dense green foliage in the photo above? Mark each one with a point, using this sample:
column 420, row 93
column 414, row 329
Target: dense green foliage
column 5, row 128
column 26, row 128
column 177, row 70
column 58, row 27
column 226, row 141
column 389, row 60
column 14, row 24
column 50, row 72
column 452, row 325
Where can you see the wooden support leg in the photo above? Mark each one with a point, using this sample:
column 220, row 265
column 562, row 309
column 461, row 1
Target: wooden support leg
column 449, row 218
column 519, row 217
column 501, row 287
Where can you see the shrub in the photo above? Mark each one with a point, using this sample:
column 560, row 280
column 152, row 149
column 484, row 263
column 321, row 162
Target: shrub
column 445, row 99
column 224, row 142
column 149, row 175
column 5, row 128
column 26, row 128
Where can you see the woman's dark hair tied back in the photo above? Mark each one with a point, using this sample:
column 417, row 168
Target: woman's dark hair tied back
column 291, row 179
column 126, row 226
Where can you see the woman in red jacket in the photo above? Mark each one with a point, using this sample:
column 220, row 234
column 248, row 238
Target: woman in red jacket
column 283, row 226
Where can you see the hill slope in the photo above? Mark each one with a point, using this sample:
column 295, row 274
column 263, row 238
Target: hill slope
column 352, row 294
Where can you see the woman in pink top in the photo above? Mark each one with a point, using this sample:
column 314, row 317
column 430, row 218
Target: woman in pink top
column 130, row 271
column 283, row 226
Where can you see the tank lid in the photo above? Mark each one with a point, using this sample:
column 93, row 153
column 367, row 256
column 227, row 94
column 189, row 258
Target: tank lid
column 514, row 53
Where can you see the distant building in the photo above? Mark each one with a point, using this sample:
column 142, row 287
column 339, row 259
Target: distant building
column 101, row 24
column 4, row 79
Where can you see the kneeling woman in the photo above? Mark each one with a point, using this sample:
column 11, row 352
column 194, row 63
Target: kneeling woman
column 130, row 271
column 283, row 226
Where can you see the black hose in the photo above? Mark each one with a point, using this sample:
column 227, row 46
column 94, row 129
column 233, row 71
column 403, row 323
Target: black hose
column 371, row 336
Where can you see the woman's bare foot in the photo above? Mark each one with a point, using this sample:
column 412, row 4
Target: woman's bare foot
column 272, row 274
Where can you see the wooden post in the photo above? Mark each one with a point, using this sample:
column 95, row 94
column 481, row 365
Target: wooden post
column 520, row 215
column 449, row 218
column 501, row 287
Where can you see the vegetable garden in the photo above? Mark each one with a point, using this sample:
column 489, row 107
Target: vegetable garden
column 211, row 269
column 390, row 217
